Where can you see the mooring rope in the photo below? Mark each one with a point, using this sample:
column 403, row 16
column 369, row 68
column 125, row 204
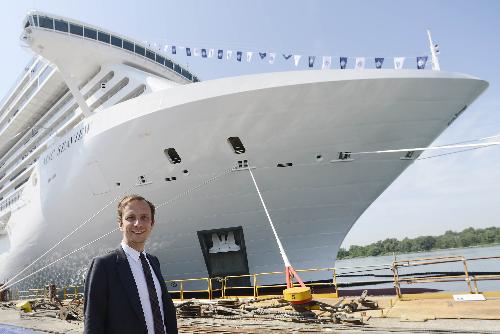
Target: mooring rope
column 9, row 283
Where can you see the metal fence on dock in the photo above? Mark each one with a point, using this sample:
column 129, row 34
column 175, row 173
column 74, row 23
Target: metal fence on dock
column 389, row 274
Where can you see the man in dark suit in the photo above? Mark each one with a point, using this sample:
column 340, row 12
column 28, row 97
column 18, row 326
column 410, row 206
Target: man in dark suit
column 124, row 290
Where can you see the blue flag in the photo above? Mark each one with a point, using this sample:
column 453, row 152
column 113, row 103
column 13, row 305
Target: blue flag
column 262, row 55
column 174, row 50
column 220, row 54
column 238, row 56
column 204, row 53
column 188, row 52
column 421, row 61
column 286, row 56
column 379, row 62
column 343, row 62
column 311, row 60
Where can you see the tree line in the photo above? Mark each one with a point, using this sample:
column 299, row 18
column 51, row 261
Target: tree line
column 467, row 238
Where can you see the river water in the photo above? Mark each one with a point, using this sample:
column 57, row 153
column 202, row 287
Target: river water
column 348, row 273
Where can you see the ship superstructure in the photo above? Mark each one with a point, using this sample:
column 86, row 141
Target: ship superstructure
column 96, row 115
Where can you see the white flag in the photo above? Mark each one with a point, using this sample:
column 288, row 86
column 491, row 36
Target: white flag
column 327, row 62
column 211, row 53
column 399, row 62
column 196, row 52
column 360, row 63
column 272, row 56
column 296, row 59
column 229, row 54
column 249, row 56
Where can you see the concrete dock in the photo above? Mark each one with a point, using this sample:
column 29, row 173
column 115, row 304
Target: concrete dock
column 440, row 314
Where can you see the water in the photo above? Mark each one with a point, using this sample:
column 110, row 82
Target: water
column 4, row 329
column 385, row 274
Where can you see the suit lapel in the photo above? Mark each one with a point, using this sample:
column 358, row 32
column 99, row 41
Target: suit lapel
column 128, row 283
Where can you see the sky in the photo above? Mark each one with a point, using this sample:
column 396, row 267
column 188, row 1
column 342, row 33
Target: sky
column 451, row 192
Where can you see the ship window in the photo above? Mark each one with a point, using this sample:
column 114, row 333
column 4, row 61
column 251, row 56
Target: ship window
column 139, row 50
column 35, row 20
column 76, row 29
column 27, row 24
column 187, row 74
column 178, row 69
column 116, row 41
column 169, row 64
column 150, row 54
column 172, row 155
column 46, row 22
column 128, row 45
column 103, row 37
column 61, row 25
column 90, row 33
column 160, row 59
column 236, row 144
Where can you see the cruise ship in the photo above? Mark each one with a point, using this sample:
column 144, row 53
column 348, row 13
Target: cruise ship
column 96, row 115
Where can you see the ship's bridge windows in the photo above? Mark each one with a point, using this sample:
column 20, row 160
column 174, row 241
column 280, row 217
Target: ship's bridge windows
column 90, row 33
column 139, row 50
column 160, row 59
column 27, row 24
column 116, row 41
column 128, row 45
column 46, row 22
column 178, row 68
column 76, row 29
column 150, row 54
column 61, row 25
column 169, row 64
column 103, row 37
column 35, row 20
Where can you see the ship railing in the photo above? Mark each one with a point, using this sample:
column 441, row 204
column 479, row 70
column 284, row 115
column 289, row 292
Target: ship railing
column 185, row 291
column 470, row 280
column 11, row 199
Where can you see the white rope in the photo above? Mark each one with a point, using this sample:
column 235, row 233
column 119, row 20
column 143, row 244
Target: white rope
column 493, row 143
column 66, row 237
column 6, row 286
column 278, row 241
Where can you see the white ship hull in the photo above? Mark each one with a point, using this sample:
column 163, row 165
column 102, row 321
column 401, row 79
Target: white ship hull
column 303, row 118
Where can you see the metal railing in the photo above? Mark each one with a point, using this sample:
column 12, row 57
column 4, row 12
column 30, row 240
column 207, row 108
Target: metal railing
column 470, row 280
column 224, row 287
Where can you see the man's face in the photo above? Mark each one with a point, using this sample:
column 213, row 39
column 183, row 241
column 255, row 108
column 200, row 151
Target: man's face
column 136, row 224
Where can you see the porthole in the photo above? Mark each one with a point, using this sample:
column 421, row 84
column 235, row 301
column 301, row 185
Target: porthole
column 236, row 144
column 172, row 155
column 319, row 157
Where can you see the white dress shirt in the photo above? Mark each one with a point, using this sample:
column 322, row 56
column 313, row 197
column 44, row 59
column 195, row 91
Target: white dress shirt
column 142, row 287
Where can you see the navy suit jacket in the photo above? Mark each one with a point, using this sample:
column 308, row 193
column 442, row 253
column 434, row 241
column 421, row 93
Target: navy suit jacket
column 112, row 303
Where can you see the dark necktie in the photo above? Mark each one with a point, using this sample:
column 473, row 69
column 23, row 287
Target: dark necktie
column 153, row 297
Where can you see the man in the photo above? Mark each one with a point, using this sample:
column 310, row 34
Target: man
column 124, row 290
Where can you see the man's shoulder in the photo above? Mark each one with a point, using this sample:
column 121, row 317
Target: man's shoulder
column 109, row 257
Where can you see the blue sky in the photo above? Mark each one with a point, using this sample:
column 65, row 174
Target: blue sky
column 433, row 195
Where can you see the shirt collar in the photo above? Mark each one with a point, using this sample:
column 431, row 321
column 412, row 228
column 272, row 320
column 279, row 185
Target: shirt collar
column 131, row 252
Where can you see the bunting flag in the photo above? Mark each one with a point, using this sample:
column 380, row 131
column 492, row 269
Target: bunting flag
column 311, row 60
column 272, row 56
column 421, row 61
column 249, row 55
column 379, row 62
column 238, row 55
column 229, row 54
column 286, row 56
column 360, row 63
column 327, row 62
column 296, row 59
column 399, row 62
column 188, row 52
column 204, row 53
column 262, row 55
column 220, row 54
column 174, row 50
column 211, row 53
column 343, row 62
column 196, row 52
